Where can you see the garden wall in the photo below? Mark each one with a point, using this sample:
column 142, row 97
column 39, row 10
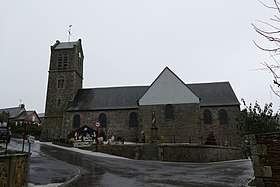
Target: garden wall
column 173, row 152
column 198, row 153
column 13, row 170
column 265, row 150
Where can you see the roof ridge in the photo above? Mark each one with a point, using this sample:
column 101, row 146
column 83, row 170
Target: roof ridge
column 10, row 108
column 112, row 87
column 70, row 42
column 215, row 82
column 108, row 87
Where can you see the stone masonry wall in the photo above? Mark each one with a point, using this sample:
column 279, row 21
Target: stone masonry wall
column 225, row 134
column 265, row 149
column 198, row 153
column 58, row 98
column 184, row 127
column 187, row 127
column 117, row 123
column 173, row 152
column 13, row 170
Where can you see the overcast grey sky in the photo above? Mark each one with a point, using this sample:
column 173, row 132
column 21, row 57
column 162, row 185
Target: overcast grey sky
column 129, row 42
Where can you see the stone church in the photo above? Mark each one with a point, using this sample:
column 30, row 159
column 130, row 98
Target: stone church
column 168, row 110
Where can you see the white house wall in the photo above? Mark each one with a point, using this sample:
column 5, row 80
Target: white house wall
column 168, row 89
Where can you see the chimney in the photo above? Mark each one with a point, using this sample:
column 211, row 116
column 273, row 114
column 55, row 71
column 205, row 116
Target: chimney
column 21, row 106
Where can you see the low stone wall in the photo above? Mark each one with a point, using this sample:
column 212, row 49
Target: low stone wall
column 198, row 153
column 13, row 170
column 265, row 150
column 173, row 152
column 124, row 150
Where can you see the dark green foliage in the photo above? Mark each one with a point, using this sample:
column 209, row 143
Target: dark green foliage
column 18, row 130
column 254, row 119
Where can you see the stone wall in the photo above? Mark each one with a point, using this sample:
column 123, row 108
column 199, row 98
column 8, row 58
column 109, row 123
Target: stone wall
column 265, row 149
column 58, row 98
column 225, row 134
column 198, row 153
column 173, row 152
column 117, row 123
column 188, row 124
column 52, row 128
column 187, row 127
column 183, row 128
column 131, row 151
column 13, row 170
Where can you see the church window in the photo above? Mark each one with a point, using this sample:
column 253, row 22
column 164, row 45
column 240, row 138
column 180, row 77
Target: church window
column 59, row 62
column 169, row 112
column 60, row 83
column 102, row 120
column 65, row 61
column 76, row 121
column 133, row 119
column 207, row 117
column 223, row 117
column 62, row 61
column 58, row 102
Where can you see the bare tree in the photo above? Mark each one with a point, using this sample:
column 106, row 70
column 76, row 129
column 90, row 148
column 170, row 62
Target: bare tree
column 270, row 31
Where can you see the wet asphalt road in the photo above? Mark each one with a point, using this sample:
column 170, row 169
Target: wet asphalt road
column 44, row 169
column 106, row 172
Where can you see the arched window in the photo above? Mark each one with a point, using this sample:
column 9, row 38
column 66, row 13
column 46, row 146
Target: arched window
column 102, row 120
column 169, row 112
column 133, row 119
column 60, row 82
column 58, row 102
column 76, row 121
column 223, row 117
column 207, row 117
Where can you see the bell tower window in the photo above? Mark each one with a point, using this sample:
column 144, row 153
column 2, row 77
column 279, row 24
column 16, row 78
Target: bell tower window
column 62, row 61
column 65, row 61
column 59, row 62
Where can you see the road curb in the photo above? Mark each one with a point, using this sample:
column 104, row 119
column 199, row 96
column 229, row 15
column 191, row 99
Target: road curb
column 69, row 182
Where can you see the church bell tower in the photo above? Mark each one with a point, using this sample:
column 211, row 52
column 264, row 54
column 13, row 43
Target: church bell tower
column 65, row 79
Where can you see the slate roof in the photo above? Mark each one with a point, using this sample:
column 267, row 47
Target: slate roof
column 66, row 45
column 13, row 112
column 107, row 98
column 214, row 94
column 210, row 94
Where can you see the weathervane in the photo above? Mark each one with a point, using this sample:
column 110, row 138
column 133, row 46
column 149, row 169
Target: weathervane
column 69, row 32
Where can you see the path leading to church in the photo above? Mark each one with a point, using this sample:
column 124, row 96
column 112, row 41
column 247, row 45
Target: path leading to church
column 97, row 170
